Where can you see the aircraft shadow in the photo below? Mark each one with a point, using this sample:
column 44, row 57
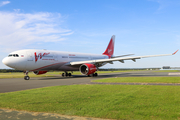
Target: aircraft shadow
column 59, row 77
column 102, row 76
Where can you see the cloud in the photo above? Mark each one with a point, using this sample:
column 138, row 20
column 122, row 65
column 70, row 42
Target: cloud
column 4, row 3
column 166, row 3
column 21, row 29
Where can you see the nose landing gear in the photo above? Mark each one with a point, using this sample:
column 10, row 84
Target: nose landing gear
column 26, row 77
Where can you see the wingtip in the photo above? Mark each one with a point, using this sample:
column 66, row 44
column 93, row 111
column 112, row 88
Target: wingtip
column 175, row 52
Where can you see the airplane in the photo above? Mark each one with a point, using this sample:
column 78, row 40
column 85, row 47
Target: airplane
column 42, row 61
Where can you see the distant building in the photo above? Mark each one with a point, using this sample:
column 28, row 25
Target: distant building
column 166, row 67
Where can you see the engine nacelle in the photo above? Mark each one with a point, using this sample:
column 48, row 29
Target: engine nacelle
column 39, row 72
column 87, row 69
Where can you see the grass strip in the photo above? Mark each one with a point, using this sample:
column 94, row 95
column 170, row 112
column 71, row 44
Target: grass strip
column 21, row 75
column 140, row 80
column 48, row 74
column 167, row 71
column 102, row 101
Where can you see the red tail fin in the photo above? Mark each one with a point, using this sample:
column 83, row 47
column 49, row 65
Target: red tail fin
column 110, row 49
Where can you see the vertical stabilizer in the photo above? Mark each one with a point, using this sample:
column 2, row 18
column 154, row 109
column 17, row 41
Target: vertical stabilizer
column 110, row 48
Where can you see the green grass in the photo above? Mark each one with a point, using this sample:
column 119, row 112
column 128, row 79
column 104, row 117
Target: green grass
column 118, row 71
column 167, row 71
column 21, row 75
column 103, row 101
column 48, row 74
column 140, row 80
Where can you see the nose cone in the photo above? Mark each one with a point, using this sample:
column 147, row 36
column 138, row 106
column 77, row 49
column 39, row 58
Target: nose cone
column 8, row 62
column 4, row 61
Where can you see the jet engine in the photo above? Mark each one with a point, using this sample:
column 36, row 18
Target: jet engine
column 87, row 69
column 39, row 72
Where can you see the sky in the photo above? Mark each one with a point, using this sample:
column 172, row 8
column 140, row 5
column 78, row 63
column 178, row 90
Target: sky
column 141, row 27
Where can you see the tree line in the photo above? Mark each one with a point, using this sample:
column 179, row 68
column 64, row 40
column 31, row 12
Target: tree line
column 101, row 69
column 9, row 70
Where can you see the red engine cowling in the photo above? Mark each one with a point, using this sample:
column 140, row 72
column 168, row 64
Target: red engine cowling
column 39, row 72
column 87, row 69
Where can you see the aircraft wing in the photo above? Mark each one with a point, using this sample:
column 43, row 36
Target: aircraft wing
column 122, row 56
column 117, row 59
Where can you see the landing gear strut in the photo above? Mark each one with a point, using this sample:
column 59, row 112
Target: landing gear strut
column 66, row 74
column 26, row 77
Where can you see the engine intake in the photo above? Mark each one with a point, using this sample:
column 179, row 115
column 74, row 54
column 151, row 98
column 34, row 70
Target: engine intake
column 87, row 69
column 39, row 72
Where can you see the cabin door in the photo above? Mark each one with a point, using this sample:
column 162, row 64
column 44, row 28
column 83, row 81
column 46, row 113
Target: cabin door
column 29, row 56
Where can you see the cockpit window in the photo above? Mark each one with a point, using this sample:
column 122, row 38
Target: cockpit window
column 13, row 55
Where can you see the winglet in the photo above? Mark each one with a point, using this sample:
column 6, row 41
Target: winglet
column 175, row 52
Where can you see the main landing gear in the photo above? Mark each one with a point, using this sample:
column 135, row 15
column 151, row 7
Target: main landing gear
column 93, row 75
column 66, row 74
column 26, row 77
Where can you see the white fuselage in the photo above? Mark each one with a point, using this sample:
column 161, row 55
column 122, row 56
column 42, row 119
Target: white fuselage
column 45, row 60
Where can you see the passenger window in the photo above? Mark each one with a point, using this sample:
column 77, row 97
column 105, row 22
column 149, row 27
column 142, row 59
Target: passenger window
column 17, row 55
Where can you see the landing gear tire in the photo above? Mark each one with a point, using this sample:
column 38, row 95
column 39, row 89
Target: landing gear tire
column 66, row 74
column 26, row 77
column 69, row 74
column 93, row 75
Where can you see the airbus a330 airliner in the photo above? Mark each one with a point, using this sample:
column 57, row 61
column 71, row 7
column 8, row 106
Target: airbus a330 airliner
column 41, row 61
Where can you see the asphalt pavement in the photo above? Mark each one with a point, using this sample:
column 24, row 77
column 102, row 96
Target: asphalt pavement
column 17, row 84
